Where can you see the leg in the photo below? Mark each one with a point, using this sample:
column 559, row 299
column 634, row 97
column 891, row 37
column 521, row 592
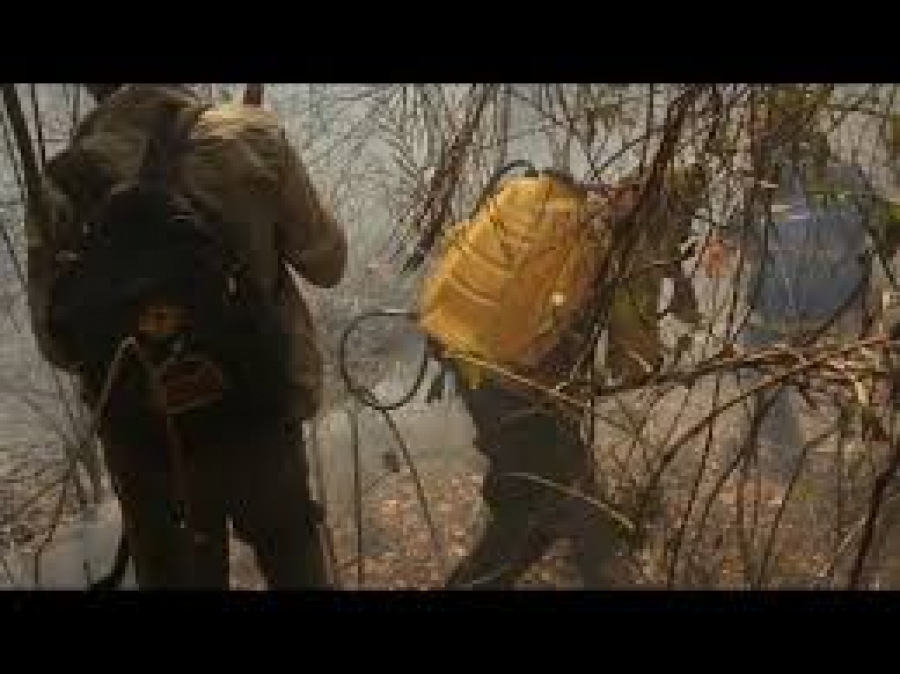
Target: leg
column 139, row 466
column 506, row 549
column 515, row 539
column 594, row 535
column 762, row 422
column 209, row 535
column 595, row 539
column 273, row 511
column 518, row 440
column 780, row 432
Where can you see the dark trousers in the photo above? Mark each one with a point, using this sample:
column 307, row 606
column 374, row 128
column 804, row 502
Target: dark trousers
column 528, row 515
column 260, row 486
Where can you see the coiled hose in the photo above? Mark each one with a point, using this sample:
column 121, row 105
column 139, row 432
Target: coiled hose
column 364, row 396
column 362, row 393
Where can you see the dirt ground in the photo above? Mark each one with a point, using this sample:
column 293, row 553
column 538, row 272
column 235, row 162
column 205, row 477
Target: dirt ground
column 729, row 551
column 399, row 553
column 705, row 526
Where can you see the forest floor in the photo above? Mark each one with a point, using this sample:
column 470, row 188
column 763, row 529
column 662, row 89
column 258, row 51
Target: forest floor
column 734, row 547
column 705, row 526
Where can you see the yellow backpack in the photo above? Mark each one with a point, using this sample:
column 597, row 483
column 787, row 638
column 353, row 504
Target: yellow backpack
column 511, row 279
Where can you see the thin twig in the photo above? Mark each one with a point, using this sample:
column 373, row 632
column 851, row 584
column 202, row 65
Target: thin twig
column 875, row 503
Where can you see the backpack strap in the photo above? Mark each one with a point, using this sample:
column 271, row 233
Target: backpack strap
column 167, row 142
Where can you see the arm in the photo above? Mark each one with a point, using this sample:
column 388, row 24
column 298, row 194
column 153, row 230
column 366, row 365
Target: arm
column 311, row 239
column 684, row 304
column 886, row 226
column 881, row 214
column 42, row 271
column 689, row 188
column 885, row 233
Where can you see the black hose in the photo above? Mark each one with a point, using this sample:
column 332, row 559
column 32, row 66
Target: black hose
column 365, row 396
column 420, row 491
column 353, row 416
column 362, row 393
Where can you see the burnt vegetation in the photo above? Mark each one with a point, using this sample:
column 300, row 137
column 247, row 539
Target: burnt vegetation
column 681, row 449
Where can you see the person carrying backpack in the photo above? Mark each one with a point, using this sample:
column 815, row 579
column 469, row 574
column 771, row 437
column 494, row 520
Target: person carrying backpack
column 159, row 274
column 514, row 284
